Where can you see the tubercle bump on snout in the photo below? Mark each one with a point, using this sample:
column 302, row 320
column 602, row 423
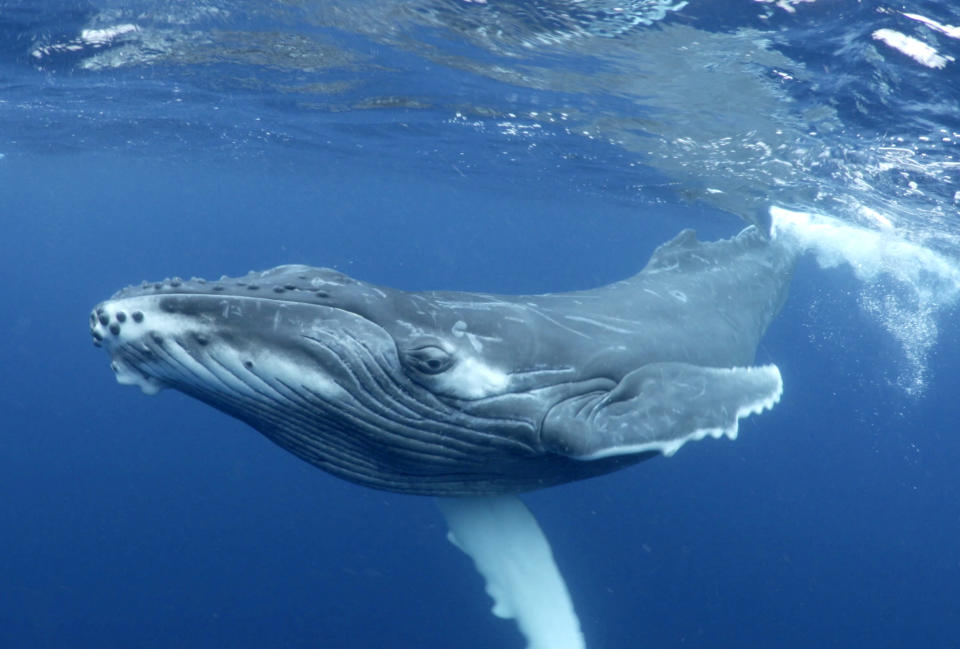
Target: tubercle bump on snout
column 109, row 323
column 295, row 282
column 173, row 298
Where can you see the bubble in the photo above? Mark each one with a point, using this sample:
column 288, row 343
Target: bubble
column 906, row 287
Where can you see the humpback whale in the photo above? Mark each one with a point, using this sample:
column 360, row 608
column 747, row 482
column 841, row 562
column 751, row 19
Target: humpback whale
column 471, row 397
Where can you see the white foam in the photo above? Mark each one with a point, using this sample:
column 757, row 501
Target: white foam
column 906, row 286
column 105, row 35
column 950, row 30
column 88, row 38
column 293, row 373
column 914, row 48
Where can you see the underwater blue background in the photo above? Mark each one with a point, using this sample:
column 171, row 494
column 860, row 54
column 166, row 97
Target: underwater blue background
column 833, row 521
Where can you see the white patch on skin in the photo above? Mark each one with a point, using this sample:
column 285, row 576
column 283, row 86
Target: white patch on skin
column 665, row 269
column 279, row 367
column 157, row 371
column 412, row 330
column 127, row 375
column 220, row 367
column 475, row 342
column 596, row 323
column 561, row 325
column 316, row 282
column 471, row 378
column 154, row 319
column 283, row 268
column 475, row 305
column 680, row 296
column 459, row 330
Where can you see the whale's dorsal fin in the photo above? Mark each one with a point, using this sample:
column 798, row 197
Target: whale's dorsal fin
column 687, row 253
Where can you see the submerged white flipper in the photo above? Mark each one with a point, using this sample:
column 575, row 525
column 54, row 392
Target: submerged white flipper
column 512, row 554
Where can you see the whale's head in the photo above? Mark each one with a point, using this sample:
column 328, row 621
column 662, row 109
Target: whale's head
column 369, row 383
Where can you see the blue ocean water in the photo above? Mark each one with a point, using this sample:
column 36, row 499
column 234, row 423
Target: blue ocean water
column 499, row 146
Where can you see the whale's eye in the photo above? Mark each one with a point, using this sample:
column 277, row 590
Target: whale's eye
column 429, row 359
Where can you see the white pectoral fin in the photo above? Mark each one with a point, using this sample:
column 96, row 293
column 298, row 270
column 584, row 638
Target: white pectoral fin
column 659, row 408
column 512, row 554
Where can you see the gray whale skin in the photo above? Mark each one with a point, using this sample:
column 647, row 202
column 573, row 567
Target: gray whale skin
column 456, row 394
